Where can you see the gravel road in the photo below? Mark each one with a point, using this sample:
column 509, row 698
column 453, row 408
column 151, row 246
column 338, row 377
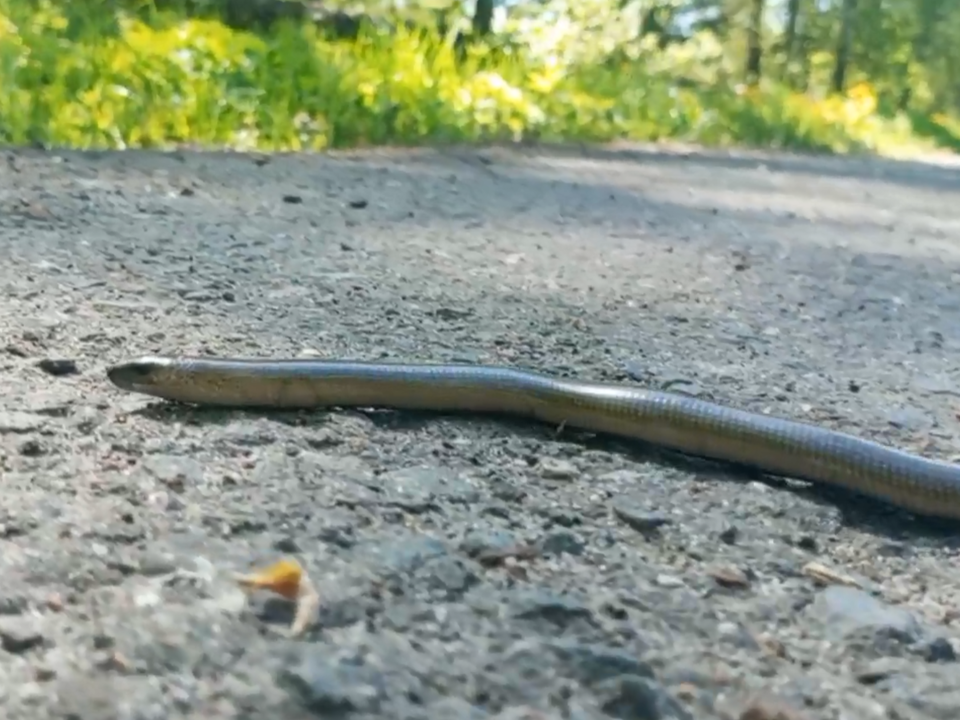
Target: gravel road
column 467, row 567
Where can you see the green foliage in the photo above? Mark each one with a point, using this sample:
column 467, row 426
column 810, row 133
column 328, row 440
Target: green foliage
column 87, row 74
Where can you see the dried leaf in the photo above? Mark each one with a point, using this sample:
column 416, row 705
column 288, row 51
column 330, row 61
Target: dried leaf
column 287, row 579
column 282, row 578
column 826, row 576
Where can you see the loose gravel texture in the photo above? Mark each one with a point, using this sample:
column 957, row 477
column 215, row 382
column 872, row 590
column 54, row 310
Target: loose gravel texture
column 472, row 567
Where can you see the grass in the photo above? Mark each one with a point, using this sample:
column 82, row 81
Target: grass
column 85, row 75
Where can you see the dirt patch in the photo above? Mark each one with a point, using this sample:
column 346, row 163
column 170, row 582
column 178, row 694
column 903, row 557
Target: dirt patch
column 826, row 290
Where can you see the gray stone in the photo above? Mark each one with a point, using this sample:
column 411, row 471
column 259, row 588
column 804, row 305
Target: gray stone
column 20, row 634
column 844, row 610
column 631, row 697
column 19, row 423
column 562, row 542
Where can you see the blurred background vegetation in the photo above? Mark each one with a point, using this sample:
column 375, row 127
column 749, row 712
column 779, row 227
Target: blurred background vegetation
column 829, row 75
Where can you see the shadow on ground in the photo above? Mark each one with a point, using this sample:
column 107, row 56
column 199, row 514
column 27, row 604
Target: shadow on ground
column 913, row 173
column 624, row 214
column 857, row 511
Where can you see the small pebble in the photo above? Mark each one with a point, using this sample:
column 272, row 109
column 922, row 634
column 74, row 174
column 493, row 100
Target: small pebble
column 58, row 367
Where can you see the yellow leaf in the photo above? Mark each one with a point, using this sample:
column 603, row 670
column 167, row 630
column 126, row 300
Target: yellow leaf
column 281, row 578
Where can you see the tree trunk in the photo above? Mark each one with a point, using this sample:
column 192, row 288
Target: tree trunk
column 483, row 18
column 790, row 32
column 844, row 42
column 754, row 42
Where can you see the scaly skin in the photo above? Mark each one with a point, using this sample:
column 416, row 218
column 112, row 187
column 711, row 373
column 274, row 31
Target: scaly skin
column 688, row 425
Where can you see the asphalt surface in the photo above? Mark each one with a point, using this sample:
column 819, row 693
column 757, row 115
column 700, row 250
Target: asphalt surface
column 472, row 567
